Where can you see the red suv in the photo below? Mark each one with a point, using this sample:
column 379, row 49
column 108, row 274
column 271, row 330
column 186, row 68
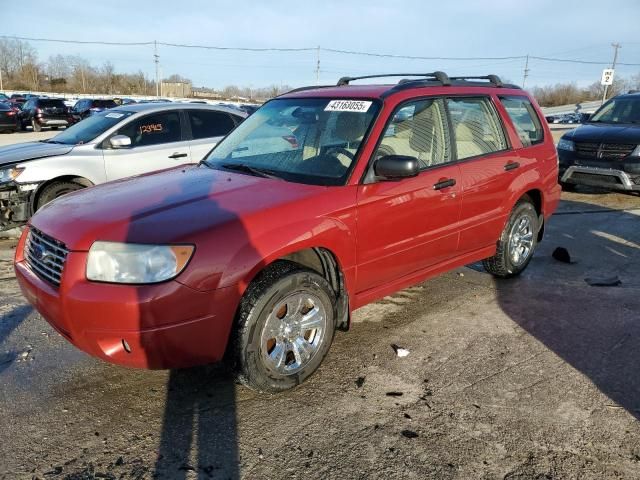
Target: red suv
column 324, row 200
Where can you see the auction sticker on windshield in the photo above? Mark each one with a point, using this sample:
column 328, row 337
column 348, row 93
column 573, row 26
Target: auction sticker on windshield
column 347, row 106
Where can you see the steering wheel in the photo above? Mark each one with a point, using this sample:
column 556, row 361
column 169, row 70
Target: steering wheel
column 332, row 151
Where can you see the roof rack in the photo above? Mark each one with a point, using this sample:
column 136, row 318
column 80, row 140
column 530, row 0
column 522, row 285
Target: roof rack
column 441, row 77
column 493, row 79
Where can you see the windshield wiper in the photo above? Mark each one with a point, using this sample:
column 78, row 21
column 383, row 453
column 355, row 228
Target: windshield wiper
column 257, row 171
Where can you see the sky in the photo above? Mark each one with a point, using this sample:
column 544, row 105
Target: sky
column 456, row 28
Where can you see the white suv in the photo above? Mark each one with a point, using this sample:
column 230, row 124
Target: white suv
column 120, row 142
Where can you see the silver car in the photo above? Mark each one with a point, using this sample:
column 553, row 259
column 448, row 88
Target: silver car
column 120, row 142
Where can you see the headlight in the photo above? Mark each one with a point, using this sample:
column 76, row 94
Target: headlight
column 8, row 174
column 136, row 263
column 636, row 152
column 566, row 145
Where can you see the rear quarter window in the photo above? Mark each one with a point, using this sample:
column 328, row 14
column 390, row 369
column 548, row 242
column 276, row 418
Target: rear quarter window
column 525, row 119
column 51, row 103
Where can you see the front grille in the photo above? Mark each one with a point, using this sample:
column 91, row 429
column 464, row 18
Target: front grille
column 45, row 255
column 604, row 151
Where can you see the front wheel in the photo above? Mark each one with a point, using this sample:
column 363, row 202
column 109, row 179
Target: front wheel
column 54, row 191
column 285, row 327
column 517, row 242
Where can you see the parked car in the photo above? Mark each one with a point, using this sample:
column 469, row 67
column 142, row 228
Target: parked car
column 44, row 112
column 264, row 256
column 604, row 151
column 117, row 143
column 3, row 97
column 88, row 106
column 8, row 118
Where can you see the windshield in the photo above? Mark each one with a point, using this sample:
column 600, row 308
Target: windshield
column 90, row 128
column 619, row 110
column 301, row 140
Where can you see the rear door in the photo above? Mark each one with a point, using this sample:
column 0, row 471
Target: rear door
column 488, row 166
column 157, row 142
column 411, row 224
column 207, row 128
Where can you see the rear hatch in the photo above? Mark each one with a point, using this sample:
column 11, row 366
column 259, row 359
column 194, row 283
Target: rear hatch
column 53, row 109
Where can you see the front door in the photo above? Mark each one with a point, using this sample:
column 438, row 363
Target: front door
column 408, row 225
column 156, row 143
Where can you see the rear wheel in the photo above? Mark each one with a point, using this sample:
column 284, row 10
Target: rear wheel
column 517, row 242
column 35, row 125
column 54, row 191
column 54, row 128
column 285, row 327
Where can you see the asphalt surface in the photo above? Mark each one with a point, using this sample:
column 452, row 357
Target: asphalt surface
column 534, row 377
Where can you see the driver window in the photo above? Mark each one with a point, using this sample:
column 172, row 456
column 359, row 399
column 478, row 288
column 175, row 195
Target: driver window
column 153, row 129
column 418, row 129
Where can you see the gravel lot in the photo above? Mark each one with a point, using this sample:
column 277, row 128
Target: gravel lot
column 529, row 378
column 532, row 378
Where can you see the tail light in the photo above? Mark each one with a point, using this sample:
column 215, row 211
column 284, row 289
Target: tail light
column 11, row 113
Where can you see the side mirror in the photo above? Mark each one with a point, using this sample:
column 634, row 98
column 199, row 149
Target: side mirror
column 120, row 141
column 396, row 166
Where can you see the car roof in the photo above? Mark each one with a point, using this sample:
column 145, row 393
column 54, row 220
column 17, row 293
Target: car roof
column 420, row 81
column 163, row 107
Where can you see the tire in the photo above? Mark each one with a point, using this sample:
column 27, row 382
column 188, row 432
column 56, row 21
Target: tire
column 23, row 126
column 36, row 126
column 55, row 190
column 568, row 187
column 283, row 292
column 523, row 225
column 54, row 128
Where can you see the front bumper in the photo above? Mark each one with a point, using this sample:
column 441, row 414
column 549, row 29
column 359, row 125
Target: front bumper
column 167, row 325
column 15, row 204
column 618, row 174
column 601, row 177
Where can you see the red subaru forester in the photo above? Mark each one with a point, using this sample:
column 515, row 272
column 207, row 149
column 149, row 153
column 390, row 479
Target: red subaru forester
column 322, row 201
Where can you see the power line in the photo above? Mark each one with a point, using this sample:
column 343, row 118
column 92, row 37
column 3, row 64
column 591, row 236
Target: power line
column 329, row 50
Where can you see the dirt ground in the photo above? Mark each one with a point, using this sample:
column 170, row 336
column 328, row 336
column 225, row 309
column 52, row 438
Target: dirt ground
column 531, row 378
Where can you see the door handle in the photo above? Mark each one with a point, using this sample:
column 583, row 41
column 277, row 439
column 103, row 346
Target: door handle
column 178, row 155
column 511, row 166
column 450, row 182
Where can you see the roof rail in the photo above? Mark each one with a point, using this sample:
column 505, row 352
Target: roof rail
column 442, row 77
column 302, row 89
column 493, row 79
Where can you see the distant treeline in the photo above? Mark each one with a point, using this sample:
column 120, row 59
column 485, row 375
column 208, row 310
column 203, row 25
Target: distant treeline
column 570, row 93
column 22, row 70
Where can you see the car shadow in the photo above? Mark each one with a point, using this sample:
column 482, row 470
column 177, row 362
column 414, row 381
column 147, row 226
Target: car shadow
column 594, row 329
column 198, row 438
column 8, row 323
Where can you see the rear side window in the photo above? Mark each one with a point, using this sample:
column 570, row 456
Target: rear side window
column 206, row 123
column 476, row 127
column 524, row 118
column 104, row 104
column 418, row 129
column 154, row 129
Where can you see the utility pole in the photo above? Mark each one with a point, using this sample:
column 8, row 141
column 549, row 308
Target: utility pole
column 615, row 46
column 526, row 72
column 318, row 65
column 156, row 59
column 1, row 86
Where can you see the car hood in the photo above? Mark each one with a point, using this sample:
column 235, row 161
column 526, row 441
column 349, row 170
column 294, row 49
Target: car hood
column 171, row 206
column 597, row 133
column 31, row 151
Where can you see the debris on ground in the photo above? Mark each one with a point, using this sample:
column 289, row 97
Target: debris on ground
column 561, row 254
column 394, row 394
column 400, row 351
column 409, row 434
column 613, row 281
column 360, row 382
